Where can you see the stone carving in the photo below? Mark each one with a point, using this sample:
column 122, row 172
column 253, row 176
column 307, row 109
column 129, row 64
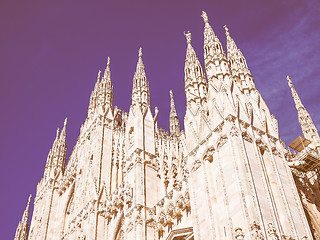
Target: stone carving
column 256, row 232
column 246, row 137
column 272, row 232
column 222, row 140
column 196, row 165
column 208, row 154
column 238, row 234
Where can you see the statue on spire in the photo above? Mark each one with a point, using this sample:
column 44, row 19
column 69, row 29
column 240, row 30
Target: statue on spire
column 205, row 17
column 188, row 37
column 140, row 52
column 227, row 30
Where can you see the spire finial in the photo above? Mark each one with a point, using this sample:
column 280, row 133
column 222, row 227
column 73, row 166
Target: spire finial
column 188, row 37
column 140, row 52
column 63, row 132
column 174, row 121
column 173, row 108
column 205, row 17
column 171, row 94
column 107, row 70
column 98, row 78
column 227, row 30
column 289, row 81
column 57, row 134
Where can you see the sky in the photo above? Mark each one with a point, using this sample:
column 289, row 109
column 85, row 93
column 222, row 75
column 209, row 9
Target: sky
column 51, row 52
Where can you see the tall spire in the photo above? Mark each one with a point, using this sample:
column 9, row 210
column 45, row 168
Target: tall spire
column 215, row 60
column 212, row 45
column 308, row 128
column 140, row 91
column 174, row 121
column 102, row 94
column 239, row 67
column 106, row 87
column 107, row 71
column 57, row 155
column 195, row 82
column 23, row 226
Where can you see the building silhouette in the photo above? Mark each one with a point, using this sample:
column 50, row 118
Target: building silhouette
column 227, row 175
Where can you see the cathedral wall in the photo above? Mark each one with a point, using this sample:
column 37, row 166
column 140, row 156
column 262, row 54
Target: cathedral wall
column 299, row 223
column 106, row 158
column 153, row 183
column 260, row 186
column 200, row 205
column 149, row 143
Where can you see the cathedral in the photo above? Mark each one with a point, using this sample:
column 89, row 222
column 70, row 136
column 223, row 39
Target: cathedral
column 227, row 175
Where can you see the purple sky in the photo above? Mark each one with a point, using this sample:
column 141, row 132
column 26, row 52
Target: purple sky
column 51, row 51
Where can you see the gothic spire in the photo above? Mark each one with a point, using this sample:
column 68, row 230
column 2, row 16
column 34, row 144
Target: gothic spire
column 216, row 64
column 107, row 72
column 239, row 67
column 140, row 90
column 195, row 82
column 102, row 93
column 174, row 121
column 106, row 87
column 23, row 226
column 26, row 211
column 212, row 45
column 308, row 128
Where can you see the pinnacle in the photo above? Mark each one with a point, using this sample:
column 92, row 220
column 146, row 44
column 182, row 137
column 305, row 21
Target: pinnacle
column 107, row 70
column 140, row 83
column 63, row 132
column 140, row 66
column 173, row 108
column 57, row 134
column 26, row 211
